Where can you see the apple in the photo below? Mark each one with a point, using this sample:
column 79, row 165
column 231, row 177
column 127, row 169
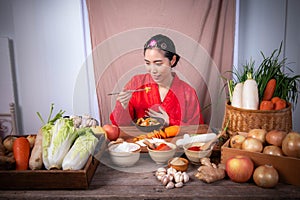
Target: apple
column 239, row 168
column 236, row 141
column 112, row 131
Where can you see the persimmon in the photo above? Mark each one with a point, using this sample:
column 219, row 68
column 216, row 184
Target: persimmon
column 172, row 131
column 280, row 104
column 274, row 99
column 266, row 105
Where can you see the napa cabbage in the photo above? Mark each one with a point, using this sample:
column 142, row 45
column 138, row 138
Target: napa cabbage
column 83, row 147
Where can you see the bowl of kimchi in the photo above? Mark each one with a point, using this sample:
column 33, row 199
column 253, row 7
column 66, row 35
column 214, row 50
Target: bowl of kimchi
column 149, row 124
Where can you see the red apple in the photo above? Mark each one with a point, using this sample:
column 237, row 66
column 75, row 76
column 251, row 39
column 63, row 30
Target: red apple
column 112, row 131
column 239, row 168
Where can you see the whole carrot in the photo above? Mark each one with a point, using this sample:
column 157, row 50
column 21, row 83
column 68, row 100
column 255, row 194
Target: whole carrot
column 269, row 90
column 21, row 150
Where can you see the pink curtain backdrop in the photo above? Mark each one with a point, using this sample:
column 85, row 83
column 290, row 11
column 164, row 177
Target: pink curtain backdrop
column 202, row 30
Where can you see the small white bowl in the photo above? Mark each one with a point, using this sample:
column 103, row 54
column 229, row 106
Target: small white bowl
column 126, row 158
column 195, row 156
column 160, row 156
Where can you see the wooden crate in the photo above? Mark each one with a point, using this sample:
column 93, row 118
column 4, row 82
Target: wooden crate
column 287, row 167
column 49, row 179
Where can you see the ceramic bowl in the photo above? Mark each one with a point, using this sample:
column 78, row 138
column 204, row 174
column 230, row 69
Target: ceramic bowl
column 162, row 156
column 178, row 163
column 195, row 156
column 150, row 128
column 126, row 155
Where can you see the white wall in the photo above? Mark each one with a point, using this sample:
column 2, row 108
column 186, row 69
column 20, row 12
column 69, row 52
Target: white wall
column 292, row 48
column 49, row 46
column 264, row 24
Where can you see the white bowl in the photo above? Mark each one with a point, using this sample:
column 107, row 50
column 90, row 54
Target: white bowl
column 124, row 157
column 160, row 156
column 195, row 156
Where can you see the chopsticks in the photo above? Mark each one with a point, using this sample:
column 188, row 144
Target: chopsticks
column 138, row 90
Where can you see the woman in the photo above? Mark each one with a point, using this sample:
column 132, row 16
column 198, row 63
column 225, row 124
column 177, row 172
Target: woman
column 160, row 92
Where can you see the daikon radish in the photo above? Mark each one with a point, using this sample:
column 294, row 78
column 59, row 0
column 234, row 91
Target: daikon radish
column 237, row 95
column 250, row 94
column 36, row 157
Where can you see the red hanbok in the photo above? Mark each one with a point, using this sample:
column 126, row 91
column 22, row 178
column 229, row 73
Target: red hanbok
column 181, row 102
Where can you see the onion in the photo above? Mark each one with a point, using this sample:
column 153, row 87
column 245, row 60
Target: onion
column 265, row 176
column 252, row 144
column 273, row 150
column 291, row 145
column 236, row 141
column 259, row 134
column 275, row 137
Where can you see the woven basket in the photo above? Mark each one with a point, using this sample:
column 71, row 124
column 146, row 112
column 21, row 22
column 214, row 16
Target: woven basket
column 243, row 120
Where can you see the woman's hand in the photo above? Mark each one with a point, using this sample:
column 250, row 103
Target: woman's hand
column 161, row 114
column 124, row 98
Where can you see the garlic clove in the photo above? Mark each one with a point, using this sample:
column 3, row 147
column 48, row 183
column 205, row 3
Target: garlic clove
column 165, row 180
column 170, row 185
column 186, row 177
column 179, row 185
column 171, row 170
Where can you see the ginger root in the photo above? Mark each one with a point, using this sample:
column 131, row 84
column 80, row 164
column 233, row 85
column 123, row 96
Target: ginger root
column 210, row 172
column 2, row 148
column 7, row 161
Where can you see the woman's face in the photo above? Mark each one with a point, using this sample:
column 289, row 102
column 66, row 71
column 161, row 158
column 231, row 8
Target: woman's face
column 158, row 66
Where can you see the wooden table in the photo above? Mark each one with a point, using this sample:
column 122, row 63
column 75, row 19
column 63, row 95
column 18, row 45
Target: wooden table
column 109, row 183
column 112, row 183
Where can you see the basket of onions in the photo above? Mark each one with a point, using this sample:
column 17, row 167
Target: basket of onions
column 262, row 97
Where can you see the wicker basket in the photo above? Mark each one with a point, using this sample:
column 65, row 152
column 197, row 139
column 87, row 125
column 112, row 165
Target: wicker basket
column 242, row 120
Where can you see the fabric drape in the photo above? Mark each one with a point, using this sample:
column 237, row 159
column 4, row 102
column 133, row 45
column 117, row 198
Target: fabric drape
column 202, row 30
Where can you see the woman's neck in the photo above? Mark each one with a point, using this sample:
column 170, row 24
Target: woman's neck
column 164, row 87
column 167, row 82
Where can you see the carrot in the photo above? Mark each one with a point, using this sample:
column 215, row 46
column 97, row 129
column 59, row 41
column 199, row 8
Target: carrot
column 280, row 104
column 172, row 131
column 274, row 99
column 163, row 134
column 21, row 150
column 266, row 105
column 269, row 89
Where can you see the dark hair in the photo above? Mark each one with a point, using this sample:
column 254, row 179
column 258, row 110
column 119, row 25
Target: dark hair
column 164, row 43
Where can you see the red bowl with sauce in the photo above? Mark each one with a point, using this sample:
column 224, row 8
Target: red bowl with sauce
column 194, row 153
column 162, row 156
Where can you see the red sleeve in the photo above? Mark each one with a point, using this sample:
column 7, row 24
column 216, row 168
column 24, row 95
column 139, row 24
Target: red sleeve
column 121, row 116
